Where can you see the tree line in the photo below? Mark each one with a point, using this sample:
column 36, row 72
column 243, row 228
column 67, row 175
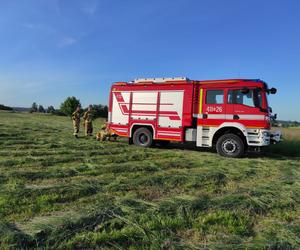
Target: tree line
column 285, row 124
column 68, row 107
column 3, row 107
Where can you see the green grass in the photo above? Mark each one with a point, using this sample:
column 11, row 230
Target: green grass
column 57, row 192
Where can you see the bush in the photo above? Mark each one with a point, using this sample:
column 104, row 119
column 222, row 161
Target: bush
column 41, row 109
column 99, row 111
column 34, row 108
column 51, row 110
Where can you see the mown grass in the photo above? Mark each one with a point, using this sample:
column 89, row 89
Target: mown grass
column 57, row 192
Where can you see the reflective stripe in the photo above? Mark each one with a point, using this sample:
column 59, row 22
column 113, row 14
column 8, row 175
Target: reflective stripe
column 176, row 135
column 121, row 130
column 169, row 132
column 200, row 101
column 230, row 116
column 252, row 117
column 216, row 116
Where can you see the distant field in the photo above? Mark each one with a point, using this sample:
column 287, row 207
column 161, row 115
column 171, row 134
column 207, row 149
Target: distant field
column 292, row 133
column 57, row 192
column 290, row 145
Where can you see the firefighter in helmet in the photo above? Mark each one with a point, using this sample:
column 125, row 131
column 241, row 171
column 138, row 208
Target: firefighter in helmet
column 88, row 121
column 101, row 135
column 76, row 121
column 106, row 133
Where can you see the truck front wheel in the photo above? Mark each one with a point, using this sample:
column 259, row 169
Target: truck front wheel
column 230, row 145
column 142, row 137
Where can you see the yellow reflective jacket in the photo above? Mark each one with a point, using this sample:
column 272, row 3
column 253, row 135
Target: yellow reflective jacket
column 76, row 116
column 88, row 117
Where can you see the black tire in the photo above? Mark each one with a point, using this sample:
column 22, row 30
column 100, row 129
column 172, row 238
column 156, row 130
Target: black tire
column 143, row 137
column 230, row 145
column 163, row 143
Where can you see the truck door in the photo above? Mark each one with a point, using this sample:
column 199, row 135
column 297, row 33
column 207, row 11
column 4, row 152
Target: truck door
column 213, row 105
column 244, row 105
column 212, row 114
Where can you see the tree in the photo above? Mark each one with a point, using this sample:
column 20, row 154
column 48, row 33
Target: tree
column 99, row 111
column 34, row 107
column 69, row 105
column 51, row 109
column 105, row 110
column 41, row 109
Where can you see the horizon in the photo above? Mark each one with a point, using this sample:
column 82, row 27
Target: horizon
column 54, row 49
column 57, row 108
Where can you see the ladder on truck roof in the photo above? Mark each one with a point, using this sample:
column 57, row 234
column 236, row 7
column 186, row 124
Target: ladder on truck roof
column 160, row 80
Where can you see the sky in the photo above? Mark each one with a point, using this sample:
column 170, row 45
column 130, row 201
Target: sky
column 52, row 49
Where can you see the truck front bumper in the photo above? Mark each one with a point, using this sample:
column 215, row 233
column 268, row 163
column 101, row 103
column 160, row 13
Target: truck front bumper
column 267, row 137
column 262, row 137
column 276, row 137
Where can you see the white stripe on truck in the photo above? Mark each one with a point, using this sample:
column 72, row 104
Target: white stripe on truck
column 230, row 116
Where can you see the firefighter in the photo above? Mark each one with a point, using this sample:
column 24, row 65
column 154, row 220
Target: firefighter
column 105, row 133
column 104, row 126
column 76, row 121
column 101, row 135
column 88, row 121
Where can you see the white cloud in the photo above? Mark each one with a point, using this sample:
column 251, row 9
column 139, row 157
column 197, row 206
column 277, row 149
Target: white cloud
column 67, row 41
column 38, row 27
column 90, row 7
column 30, row 26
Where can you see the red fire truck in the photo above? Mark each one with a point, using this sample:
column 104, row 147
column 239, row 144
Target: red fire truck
column 231, row 115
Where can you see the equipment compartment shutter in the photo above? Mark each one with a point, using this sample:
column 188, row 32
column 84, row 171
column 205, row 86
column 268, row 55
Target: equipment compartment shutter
column 144, row 105
column 120, row 108
column 170, row 109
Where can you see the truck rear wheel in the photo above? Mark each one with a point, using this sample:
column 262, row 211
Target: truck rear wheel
column 230, row 145
column 142, row 137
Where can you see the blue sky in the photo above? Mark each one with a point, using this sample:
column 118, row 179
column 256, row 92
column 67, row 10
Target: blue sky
column 51, row 49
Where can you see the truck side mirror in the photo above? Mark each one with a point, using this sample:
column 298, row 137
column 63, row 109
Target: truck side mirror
column 273, row 91
column 273, row 117
column 270, row 110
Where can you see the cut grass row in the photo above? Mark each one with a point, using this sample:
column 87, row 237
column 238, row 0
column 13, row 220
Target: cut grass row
column 60, row 193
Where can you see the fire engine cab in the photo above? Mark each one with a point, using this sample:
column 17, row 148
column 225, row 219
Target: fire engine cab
column 231, row 115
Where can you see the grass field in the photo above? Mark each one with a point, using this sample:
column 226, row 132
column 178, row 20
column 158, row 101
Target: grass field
column 57, row 192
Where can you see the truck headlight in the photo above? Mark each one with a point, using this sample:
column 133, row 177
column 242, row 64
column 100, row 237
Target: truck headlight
column 266, row 133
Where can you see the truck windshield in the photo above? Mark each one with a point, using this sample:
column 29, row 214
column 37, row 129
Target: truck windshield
column 253, row 97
